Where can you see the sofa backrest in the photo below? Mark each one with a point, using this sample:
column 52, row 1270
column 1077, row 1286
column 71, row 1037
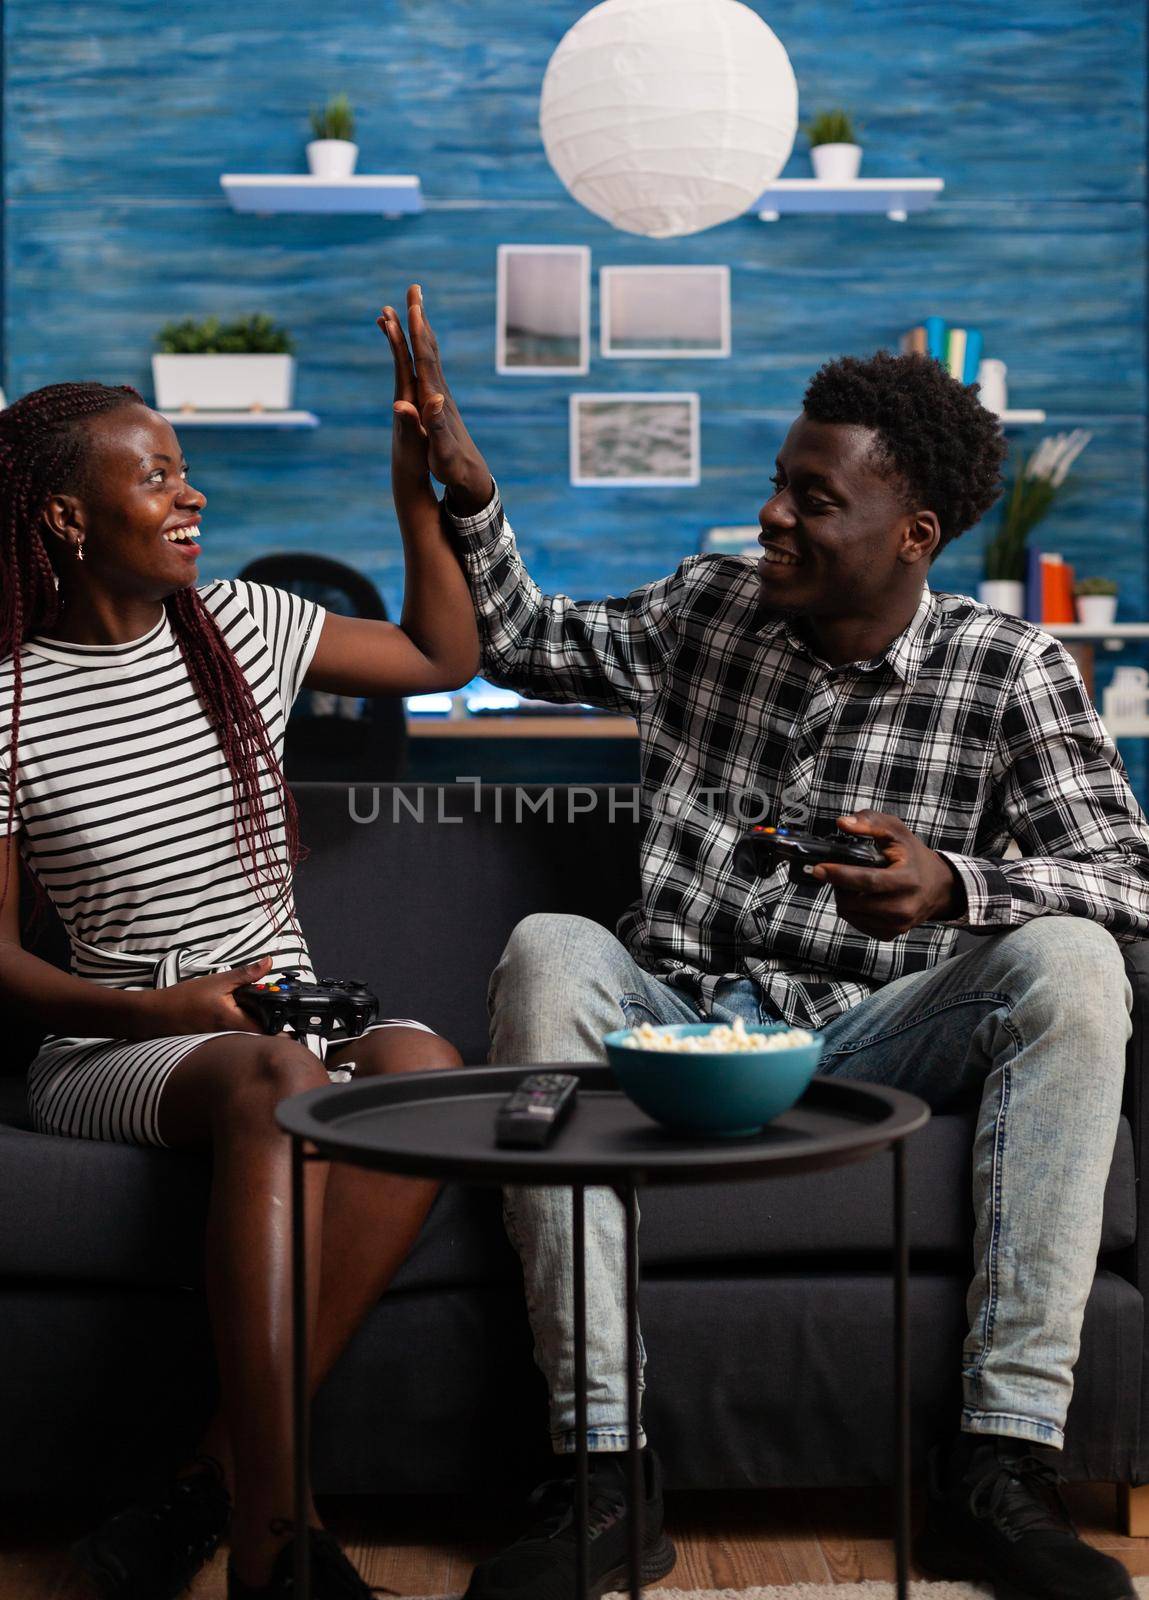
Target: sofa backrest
column 414, row 888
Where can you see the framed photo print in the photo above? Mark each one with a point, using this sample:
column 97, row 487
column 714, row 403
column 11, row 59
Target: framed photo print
column 657, row 313
column 730, row 541
column 632, row 439
column 542, row 309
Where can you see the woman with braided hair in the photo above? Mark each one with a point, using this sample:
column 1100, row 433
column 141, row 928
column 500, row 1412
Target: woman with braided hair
column 141, row 768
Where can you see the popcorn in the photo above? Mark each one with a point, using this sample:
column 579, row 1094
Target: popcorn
column 720, row 1039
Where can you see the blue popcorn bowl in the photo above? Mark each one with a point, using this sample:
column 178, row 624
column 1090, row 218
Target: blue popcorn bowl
column 726, row 1092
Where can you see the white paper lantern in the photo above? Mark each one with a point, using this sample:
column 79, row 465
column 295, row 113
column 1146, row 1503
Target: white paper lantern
column 668, row 116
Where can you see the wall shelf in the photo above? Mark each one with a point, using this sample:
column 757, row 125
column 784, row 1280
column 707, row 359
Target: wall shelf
column 1020, row 419
column 893, row 197
column 376, row 194
column 1111, row 638
column 1080, row 630
column 242, row 419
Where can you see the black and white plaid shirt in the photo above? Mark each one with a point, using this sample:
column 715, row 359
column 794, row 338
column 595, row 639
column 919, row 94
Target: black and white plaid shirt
column 972, row 727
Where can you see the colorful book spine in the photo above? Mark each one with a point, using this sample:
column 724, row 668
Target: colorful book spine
column 973, row 349
column 955, row 353
column 1033, row 594
column 936, row 337
column 1056, row 590
column 914, row 342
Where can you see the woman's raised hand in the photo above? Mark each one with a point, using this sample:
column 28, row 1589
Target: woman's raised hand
column 425, row 410
column 411, row 412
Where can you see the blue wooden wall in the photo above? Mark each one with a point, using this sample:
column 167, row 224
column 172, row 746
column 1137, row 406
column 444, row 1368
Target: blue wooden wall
column 119, row 116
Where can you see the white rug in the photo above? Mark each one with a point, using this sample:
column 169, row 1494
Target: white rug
column 868, row 1591
column 847, row 1591
column 835, row 1591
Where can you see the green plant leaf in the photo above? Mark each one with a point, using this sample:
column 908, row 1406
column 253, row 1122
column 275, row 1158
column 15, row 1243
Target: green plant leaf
column 336, row 120
column 253, row 335
column 831, row 127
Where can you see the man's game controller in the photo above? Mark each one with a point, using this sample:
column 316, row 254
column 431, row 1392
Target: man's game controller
column 760, row 851
column 334, row 1008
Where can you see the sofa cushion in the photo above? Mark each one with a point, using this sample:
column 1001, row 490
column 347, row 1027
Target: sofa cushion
column 78, row 1210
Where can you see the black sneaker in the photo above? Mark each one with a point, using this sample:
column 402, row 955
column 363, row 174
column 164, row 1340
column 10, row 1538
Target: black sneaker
column 332, row 1575
column 995, row 1513
column 541, row 1564
column 153, row 1550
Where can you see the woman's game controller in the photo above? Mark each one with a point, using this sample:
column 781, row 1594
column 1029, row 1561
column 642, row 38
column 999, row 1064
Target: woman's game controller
column 759, row 852
column 333, row 1008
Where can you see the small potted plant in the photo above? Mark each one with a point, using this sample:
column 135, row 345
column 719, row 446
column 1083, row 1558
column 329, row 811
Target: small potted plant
column 1096, row 602
column 245, row 365
column 1028, row 499
column 836, row 155
column 332, row 152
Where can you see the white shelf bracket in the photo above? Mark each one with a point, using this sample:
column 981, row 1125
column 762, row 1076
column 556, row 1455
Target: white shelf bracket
column 897, row 216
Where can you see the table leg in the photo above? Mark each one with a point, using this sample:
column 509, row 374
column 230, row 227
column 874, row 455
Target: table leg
column 901, row 1374
column 301, row 1401
column 578, row 1238
column 634, row 1457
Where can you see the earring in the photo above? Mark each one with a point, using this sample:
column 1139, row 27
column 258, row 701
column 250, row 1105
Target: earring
column 79, row 550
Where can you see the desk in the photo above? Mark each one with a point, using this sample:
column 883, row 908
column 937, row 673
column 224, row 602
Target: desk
column 523, row 749
column 513, row 726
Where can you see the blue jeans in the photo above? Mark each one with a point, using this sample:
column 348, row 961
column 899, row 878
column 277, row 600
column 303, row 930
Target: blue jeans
column 1031, row 1025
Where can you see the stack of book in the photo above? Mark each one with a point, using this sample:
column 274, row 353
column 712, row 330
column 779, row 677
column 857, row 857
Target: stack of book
column 1048, row 588
column 958, row 349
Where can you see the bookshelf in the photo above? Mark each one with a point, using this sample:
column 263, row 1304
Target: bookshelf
column 1114, row 637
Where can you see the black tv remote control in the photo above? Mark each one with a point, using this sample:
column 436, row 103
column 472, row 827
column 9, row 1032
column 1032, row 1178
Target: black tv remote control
column 533, row 1113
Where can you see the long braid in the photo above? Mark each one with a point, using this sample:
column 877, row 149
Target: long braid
column 44, row 450
column 226, row 696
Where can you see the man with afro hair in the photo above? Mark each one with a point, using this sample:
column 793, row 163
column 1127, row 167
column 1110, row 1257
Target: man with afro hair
column 827, row 688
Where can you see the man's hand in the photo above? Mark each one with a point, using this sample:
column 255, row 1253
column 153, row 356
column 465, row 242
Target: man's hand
column 200, row 1005
column 423, row 399
column 918, row 885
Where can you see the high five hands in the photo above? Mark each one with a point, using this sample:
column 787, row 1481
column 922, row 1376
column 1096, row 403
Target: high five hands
column 428, row 432
column 918, row 885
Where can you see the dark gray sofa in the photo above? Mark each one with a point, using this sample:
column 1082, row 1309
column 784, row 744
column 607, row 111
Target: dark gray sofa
column 767, row 1308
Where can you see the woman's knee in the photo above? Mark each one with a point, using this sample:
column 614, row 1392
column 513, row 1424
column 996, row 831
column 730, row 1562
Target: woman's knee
column 399, row 1049
column 276, row 1068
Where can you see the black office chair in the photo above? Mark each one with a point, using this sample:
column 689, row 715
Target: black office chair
column 333, row 738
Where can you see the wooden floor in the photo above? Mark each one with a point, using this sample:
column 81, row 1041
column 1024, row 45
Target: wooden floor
column 427, row 1547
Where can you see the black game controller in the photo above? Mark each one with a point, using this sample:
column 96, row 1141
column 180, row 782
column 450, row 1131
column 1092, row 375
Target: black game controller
column 758, row 852
column 334, row 1008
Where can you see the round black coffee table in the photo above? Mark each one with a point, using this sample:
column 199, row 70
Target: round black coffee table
column 442, row 1125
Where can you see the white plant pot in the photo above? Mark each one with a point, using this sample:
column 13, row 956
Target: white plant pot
column 993, row 393
column 1097, row 610
column 332, row 158
column 223, row 383
column 1003, row 594
column 836, row 163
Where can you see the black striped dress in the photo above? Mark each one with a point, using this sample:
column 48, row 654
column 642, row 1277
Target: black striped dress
column 126, row 814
